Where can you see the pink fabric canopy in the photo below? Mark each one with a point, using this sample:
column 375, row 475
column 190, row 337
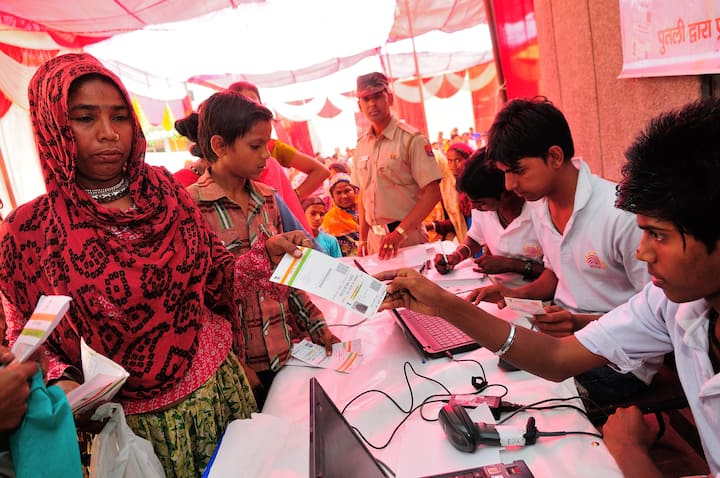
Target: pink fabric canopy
column 81, row 22
column 415, row 17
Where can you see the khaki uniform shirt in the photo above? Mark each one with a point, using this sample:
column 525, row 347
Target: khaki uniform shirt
column 390, row 168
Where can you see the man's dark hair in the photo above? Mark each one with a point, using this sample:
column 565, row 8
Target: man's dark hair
column 481, row 178
column 230, row 115
column 673, row 171
column 527, row 128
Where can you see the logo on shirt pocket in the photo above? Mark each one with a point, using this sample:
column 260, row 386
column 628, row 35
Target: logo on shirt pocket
column 593, row 260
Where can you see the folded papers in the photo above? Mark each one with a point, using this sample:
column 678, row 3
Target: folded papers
column 103, row 379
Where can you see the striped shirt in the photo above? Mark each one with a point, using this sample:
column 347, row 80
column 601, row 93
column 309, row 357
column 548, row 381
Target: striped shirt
column 269, row 326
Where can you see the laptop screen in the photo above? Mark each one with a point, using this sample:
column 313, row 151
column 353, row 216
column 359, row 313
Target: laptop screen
column 335, row 450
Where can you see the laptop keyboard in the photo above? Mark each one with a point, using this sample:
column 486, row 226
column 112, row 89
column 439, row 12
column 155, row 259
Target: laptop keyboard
column 446, row 334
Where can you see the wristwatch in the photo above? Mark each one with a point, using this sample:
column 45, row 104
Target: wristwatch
column 527, row 269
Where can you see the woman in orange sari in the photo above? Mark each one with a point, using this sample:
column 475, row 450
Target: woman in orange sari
column 342, row 220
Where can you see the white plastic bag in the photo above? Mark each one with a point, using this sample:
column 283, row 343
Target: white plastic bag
column 117, row 452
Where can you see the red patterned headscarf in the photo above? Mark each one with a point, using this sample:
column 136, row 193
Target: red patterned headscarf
column 142, row 280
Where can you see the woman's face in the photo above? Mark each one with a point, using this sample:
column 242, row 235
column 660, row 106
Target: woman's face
column 247, row 156
column 102, row 124
column 344, row 195
column 456, row 162
column 315, row 215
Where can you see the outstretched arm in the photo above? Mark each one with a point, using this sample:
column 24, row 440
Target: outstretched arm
column 546, row 356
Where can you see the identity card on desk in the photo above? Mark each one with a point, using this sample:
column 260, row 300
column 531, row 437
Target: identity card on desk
column 345, row 357
column 331, row 279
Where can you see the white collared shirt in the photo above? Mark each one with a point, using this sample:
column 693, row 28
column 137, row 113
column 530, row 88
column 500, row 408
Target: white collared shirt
column 650, row 325
column 517, row 240
column 594, row 259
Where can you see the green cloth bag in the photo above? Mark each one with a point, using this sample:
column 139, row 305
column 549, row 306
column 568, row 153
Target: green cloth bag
column 46, row 444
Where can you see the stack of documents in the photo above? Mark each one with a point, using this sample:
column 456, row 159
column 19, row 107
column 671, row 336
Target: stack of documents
column 103, row 379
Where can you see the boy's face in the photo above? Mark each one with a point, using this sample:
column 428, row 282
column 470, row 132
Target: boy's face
column 684, row 272
column 531, row 178
column 248, row 155
column 315, row 215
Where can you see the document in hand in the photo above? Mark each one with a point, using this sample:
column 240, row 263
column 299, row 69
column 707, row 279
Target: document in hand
column 331, row 279
column 103, row 379
column 525, row 306
column 47, row 314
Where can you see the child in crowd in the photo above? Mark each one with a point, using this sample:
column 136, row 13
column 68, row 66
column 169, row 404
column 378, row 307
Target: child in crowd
column 233, row 133
column 315, row 211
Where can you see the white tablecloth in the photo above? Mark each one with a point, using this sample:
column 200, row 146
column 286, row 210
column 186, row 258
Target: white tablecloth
column 420, row 447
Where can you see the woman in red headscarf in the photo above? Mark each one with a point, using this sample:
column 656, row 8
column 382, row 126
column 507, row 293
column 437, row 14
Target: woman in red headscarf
column 152, row 287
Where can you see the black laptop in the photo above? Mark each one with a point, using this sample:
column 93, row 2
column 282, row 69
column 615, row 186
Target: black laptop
column 335, row 450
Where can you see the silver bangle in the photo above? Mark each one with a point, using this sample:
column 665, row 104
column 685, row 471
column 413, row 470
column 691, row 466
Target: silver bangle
column 459, row 251
column 508, row 342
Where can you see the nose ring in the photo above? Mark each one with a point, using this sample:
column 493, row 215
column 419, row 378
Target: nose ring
column 116, row 137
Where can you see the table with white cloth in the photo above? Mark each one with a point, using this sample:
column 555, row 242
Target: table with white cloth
column 420, row 447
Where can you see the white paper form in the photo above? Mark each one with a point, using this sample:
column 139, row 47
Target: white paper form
column 103, row 379
column 525, row 306
column 48, row 312
column 331, row 279
column 345, row 356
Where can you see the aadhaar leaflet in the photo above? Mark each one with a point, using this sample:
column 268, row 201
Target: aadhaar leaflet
column 47, row 314
column 331, row 279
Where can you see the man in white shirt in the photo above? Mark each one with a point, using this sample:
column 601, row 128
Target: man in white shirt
column 588, row 243
column 671, row 183
column 502, row 228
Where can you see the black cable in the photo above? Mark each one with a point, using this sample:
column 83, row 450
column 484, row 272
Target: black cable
column 355, row 324
column 557, row 434
column 534, row 404
column 411, row 409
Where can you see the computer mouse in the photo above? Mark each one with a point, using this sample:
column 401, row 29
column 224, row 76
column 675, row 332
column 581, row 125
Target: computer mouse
column 458, row 427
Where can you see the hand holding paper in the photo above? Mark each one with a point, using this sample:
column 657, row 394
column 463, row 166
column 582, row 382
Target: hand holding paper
column 525, row 306
column 47, row 314
column 331, row 279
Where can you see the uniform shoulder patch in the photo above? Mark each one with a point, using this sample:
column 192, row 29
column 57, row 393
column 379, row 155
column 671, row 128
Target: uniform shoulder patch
column 429, row 150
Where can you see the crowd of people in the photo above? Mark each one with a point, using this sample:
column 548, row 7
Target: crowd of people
column 169, row 273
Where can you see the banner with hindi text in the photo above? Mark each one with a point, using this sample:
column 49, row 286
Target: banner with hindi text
column 666, row 38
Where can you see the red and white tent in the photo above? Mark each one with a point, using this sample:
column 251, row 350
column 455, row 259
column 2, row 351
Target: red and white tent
column 308, row 50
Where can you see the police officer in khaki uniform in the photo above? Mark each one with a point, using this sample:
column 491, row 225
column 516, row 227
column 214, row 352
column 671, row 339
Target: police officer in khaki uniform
column 395, row 168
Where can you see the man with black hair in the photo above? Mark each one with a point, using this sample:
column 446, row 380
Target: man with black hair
column 588, row 244
column 670, row 182
column 502, row 228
